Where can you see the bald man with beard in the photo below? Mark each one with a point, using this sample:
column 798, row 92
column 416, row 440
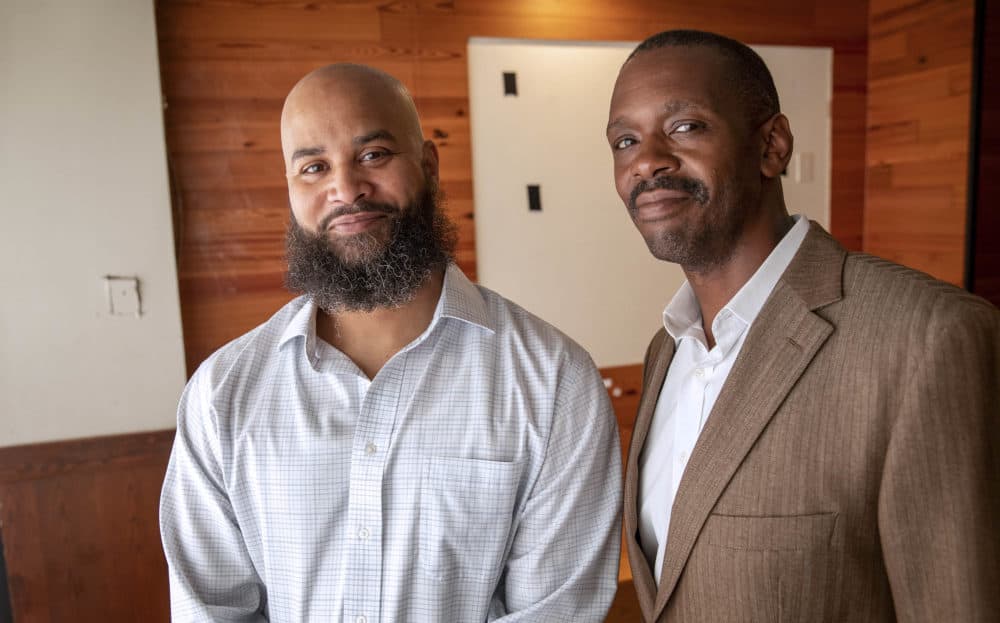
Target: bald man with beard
column 397, row 443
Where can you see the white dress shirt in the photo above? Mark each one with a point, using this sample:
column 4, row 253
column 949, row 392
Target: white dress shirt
column 694, row 380
column 476, row 478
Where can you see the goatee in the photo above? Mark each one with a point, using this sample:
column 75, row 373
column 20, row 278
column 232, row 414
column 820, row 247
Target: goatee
column 380, row 274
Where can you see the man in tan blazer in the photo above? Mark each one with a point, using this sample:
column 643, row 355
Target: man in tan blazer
column 818, row 433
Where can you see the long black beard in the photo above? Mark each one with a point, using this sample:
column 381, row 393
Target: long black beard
column 422, row 240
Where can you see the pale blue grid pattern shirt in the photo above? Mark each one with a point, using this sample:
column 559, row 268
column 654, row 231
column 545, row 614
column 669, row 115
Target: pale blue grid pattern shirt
column 475, row 478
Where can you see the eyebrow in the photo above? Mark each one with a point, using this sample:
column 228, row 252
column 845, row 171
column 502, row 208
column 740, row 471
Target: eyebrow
column 670, row 108
column 307, row 152
column 383, row 135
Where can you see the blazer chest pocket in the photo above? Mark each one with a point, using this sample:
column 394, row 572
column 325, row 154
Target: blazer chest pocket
column 466, row 508
column 766, row 568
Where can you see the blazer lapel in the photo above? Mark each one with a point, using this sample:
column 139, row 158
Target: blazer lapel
column 782, row 341
column 660, row 354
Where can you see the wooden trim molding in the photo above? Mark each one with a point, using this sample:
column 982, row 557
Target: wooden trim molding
column 46, row 460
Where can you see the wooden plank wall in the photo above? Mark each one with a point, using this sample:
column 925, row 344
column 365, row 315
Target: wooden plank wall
column 80, row 529
column 986, row 261
column 227, row 64
column 919, row 78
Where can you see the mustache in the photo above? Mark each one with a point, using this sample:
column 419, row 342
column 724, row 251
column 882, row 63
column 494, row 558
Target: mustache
column 357, row 207
column 691, row 186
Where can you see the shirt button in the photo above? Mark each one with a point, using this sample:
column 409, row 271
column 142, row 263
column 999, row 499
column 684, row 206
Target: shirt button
column 699, row 372
column 370, row 448
column 364, row 533
column 361, row 619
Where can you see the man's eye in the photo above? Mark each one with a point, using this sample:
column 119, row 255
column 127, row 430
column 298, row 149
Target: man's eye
column 374, row 155
column 312, row 169
column 685, row 127
column 622, row 143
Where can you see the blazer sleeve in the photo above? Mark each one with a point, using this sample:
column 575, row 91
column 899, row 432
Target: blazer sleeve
column 939, row 503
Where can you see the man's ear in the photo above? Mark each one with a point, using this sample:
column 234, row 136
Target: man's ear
column 430, row 160
column 776, row 137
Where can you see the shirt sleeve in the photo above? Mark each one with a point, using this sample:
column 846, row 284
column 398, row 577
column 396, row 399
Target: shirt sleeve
column 211, row 575
column 938, row 504
column 563, row 563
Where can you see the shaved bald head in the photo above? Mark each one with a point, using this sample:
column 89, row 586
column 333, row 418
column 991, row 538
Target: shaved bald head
column 343, row 88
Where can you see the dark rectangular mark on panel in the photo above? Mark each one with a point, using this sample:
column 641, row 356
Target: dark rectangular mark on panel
column 534, row 198
column 510, row 83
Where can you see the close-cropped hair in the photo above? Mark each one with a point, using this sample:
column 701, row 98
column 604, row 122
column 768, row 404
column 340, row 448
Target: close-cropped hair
column 749, row 74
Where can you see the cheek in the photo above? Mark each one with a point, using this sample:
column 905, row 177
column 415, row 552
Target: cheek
column 305, row 203
column 622, row 183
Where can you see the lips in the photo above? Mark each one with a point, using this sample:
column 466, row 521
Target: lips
column 659, row 203
column 355, row 223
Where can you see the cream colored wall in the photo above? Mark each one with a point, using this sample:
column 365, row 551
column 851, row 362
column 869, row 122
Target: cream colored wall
column 83, row 193
column 580, row 263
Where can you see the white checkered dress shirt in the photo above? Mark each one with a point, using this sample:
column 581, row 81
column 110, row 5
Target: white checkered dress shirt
column 476, row 478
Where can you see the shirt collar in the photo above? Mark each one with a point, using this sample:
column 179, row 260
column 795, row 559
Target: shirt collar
column 682, row 316
column 747, row 303
column 303, row 323
column 460, row 299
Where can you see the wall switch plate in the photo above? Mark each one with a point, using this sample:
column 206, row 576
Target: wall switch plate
column 802, row 165
column 123, row 296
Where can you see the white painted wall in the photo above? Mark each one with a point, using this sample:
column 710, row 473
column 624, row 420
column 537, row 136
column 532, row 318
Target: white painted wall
column 580, row 263
column 83, row 193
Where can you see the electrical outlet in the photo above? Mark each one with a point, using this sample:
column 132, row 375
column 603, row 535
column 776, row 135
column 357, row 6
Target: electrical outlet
column 123, row 296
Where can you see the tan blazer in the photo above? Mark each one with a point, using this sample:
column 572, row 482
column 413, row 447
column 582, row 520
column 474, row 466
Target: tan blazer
column 849, row 470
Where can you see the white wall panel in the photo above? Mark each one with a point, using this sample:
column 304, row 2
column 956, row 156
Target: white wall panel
column 84, row 194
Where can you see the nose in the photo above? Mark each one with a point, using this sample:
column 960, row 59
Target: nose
column 347, row 186
column 654, row 158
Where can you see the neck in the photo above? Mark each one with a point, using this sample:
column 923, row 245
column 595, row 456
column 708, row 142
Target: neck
column 716, row 286
column 370, row 339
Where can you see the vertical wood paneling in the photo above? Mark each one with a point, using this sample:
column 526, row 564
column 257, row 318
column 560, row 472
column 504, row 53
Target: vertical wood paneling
column 226, row 65
column 919, row 79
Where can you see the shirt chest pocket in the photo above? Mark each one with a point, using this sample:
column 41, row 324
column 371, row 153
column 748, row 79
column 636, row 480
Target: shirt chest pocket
column 466, row 510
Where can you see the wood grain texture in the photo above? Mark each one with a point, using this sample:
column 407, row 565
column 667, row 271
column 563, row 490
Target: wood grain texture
column 919, row 78
column 986, row 262
column 80, row 529
column 226, row 66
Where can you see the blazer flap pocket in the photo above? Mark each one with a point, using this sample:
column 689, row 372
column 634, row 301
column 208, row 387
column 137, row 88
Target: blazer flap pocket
column 769, row 533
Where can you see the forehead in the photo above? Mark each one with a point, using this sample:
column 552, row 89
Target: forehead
column 656, row 79
column 325, row 114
